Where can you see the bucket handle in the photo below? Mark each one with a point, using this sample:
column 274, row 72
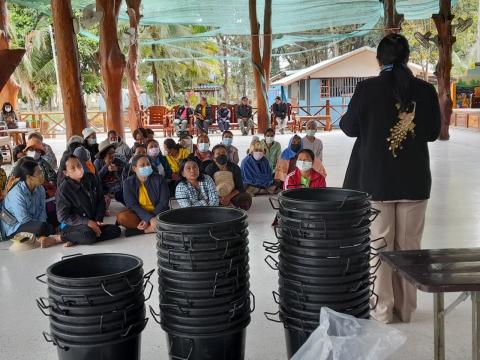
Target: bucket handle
column 375, row 213
column 297, row 283
column 270, row 316
column 71, row 256
column 65, row 298
column 42, row 307
column 142, row 323
column 148, row 282
column 380, row 247
column 276, row 227
column 344, row 202
column 376, row 266
column 268, row 259
column 155, row 316
column 270, row 247
column 39, row 278
column 175, row 357
column 252, row 302
column 272, row 199
column 184, row 312
column 51, row 339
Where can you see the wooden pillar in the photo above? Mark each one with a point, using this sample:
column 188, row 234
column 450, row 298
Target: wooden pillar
column 134, row 113
column 261, row 64
column 443, row 22
column 9, row 93
column 392, row 21
column 112, row 63
column 68, row 68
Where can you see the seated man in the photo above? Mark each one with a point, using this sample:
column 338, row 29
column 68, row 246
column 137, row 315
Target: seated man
column 237, row 197
column 122, row 150
column 182, row 116
column 223, row 117
column 203, row 115
column 49, row 155
column 245, row 117
column 279, row 110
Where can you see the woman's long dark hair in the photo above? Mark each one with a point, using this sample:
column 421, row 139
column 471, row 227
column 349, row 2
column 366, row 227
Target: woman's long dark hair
column 26, row 166
column 394, row 51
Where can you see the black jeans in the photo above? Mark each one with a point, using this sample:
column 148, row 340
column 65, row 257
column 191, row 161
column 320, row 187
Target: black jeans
column 38, row 228
column 84, row 235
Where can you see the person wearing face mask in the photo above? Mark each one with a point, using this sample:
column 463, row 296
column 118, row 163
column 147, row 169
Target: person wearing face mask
column 272, row 148
column 256, row 172
column 81, row 207
column 122, row 150
column 90, row 141
column 237, row 197
column 146, row 195
column 232, row 151
column 195, row 188
column 175, row 153
column 304, row 176
column 138, row 149
column 287, row 161
column 49, row 154
column 158, row 161
column 109, row 170
column 8, row 116
column 202, row 154
column 186, row 141
column 24, row 205
column 223, row 117
column 311, row 142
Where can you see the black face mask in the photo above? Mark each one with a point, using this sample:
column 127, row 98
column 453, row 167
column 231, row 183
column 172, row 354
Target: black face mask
column 296, row 147
column 221, row 160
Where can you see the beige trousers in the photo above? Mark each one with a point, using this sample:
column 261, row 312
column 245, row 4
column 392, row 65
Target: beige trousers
column 401, row 224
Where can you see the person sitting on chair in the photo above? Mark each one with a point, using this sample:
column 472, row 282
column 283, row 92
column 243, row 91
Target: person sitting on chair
column 245, row 116
column 8, row 116
column 182, row 117
column 203, row 115
column 279, row 110
column 223, row 117
column 146, row 195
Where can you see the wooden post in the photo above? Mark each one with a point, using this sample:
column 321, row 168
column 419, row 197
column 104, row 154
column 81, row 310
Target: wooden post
column 443, row 22
column 392, row 21
column 134, row 113
column 112, row 63
column 9, row 93
column 261, row 65
column 68, row 68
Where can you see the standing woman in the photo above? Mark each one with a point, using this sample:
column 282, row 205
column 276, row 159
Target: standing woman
column 393, row 167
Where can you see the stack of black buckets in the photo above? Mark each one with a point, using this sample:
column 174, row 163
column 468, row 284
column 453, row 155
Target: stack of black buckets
column 204, row 288
column 96, row 306
column 323, row 258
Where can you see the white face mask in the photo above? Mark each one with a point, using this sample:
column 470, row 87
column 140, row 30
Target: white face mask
column 153, row 151
column 258, row 155
column 304, row 165
column 33, row 154
column 311, row 132
column 8, row 109
column 92, row 141
column 269, row 139
column 203, row 147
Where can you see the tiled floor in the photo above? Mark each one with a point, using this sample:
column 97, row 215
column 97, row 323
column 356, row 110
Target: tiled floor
column 453, row 221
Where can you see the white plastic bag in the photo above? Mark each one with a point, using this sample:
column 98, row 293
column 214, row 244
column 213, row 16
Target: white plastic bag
column 344, row 337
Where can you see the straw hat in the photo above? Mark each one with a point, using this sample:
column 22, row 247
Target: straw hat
column 34, row 144
column 224, row 182
column 24, row 241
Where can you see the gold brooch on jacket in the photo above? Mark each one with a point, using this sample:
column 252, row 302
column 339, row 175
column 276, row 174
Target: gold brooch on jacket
column 400, row 131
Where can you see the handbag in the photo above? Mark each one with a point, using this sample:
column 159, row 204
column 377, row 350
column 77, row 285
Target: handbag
column 7, row 217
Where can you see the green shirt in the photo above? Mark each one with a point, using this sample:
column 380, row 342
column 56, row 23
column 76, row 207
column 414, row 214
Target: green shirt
column 305, row 182
column 272, row 153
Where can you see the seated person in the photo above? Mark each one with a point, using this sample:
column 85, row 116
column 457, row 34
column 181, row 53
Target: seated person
column 186, row 140
column 232, row 151
column 223, row 117
column 150, row 135
column 245, row 116
column 81, row 207
column 272, row 148
column 146, row 195
column 237, row 197
column 158, row 161
column 140, row 136
column 24, row 205
column 256, row 172
column 279, row 110
column 9, row 117
column 84, row 157
column 49, row 155
column 122, row 150
column 175, row 153
column 202, row 154
column 109, row 171
column 203, row 116
column 304, row 176
column 311, row 142
column 138, row 149
column 17, row 152
column 182, row 117
column 90, row 141
column 3, row 177
column 195, row 188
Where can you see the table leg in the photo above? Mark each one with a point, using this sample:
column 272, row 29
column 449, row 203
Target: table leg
column 475, row 325
column 439, row 326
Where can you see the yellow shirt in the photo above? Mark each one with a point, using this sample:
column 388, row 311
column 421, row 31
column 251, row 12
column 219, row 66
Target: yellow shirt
column 144, row 199
column 204, row 111
column 174, row 162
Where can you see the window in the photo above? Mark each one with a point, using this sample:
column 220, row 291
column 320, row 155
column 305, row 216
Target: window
column 339, row 87
column 324, row 88
column 301, row 93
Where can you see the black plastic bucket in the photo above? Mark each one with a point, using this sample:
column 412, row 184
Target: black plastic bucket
column 294, row 338
column 183, row 301
column 230, row 250
column 332, row 288
column 204, row 275
column 94, row 269
column 325, row 280
column 304, row 231
column 235, row 280
column 206, row 331
column 364, row 211
column 299, row 296
column 321, row 224
column 205, row 265
column 346, row 252
column 211, row 293
column 229, row 346
column 307, row 246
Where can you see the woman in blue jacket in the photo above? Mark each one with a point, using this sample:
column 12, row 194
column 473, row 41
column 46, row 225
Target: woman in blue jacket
column 24, row 205
column 146, row 195
column 256, row 171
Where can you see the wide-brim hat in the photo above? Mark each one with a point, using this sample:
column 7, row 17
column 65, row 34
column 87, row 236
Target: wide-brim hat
column 34, row 144
column 103, row 148
column 75, row 139
column 24, row 241
column 87, row 132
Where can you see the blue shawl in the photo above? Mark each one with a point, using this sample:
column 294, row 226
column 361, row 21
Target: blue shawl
column 288, row 153
column 256, row 173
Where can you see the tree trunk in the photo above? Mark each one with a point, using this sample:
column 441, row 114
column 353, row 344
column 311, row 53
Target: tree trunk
column 9, row 93
column 155, row 84
column 171, row 88
column 223, row 41
column 68, row 68
column 478, row 32
column 112, row 63
column 260, row 73
column 134, row 115
column 443, row 22
column 392, row 20
column 267, row 43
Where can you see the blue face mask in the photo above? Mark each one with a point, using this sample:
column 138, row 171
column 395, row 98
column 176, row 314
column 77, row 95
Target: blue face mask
column 227, row 141
column 145, row 171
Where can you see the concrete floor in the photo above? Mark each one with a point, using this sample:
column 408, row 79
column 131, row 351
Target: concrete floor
column 453, row 220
